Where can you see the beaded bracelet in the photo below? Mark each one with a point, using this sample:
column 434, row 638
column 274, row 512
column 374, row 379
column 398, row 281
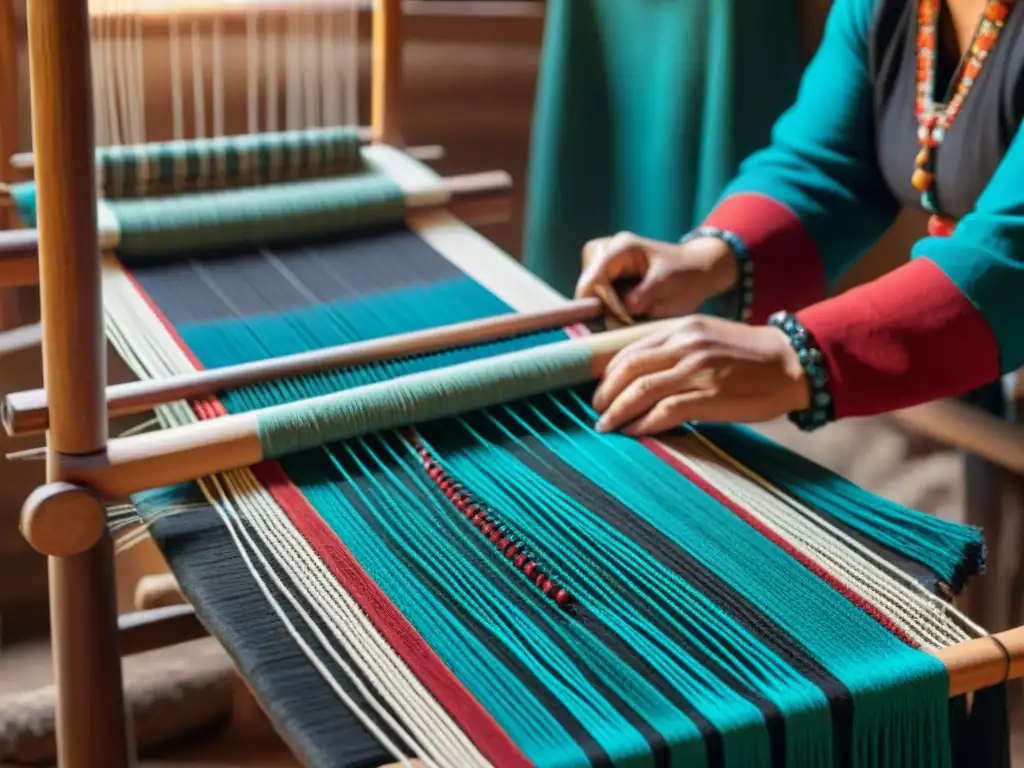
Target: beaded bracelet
column 743, row 294
column 822, row 409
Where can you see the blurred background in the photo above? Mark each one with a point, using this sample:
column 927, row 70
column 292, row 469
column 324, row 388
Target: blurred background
column 472, row 68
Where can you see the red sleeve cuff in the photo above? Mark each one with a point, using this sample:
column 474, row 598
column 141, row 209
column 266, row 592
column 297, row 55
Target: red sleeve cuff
column 907, row 338
column 787, row 272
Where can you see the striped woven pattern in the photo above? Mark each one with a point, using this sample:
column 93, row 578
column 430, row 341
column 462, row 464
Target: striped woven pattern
column 510, row 587
column 138, row 170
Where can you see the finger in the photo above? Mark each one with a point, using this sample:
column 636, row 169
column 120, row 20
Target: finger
column 650, row 341
column 671, row 412
column 613, row 303
column 643, row 363
column 648, row 291
column 699, row 405
column 638, row 398
column 612, row 259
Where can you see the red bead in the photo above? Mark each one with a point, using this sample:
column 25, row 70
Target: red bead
column 472, row 509
column 540, row 579
column 521, row 560
column 487, row 528
column 549, row 587
column 940, row 227
column 504, row 543
column 529, row 568
column 562, row 597
column 478, row 519
column 495, row 535
column 460, row 504
column 435, row 472
column 511, row 552
column 997, row 12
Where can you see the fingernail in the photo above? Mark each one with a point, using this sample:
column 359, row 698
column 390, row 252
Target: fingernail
column 602, row 425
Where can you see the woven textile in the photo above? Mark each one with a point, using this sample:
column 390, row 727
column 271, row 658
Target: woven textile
column 376, row 617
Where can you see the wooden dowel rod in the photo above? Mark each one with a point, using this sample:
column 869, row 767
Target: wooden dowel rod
column 27, row 413
column 427, row 153
column 19, row 258
column 20, row 339
column 964, row 426
column 981, row 663
column 182, row 454
column 142, row 631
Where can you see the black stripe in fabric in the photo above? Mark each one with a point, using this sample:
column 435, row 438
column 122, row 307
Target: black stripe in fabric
column 219, row 584
column 535, row 455
column 257, row 281
column 314, row 469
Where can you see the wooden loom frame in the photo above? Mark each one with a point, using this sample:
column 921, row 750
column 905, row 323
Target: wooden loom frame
column 66, row 521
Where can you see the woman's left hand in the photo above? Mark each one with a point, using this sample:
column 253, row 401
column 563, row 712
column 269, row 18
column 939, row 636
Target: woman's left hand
column 701, row 369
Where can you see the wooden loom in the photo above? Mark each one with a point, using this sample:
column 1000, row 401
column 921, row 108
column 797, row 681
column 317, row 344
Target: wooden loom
column 65, row 518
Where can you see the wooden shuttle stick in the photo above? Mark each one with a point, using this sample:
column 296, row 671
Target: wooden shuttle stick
column 982, row 663
column 182, row 454
column 27, row 412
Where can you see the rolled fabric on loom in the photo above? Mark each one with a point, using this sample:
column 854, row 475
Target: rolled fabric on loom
column 436, row 556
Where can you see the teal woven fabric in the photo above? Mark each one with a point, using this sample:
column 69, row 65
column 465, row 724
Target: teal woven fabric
column 676, row 650
column 644, row 111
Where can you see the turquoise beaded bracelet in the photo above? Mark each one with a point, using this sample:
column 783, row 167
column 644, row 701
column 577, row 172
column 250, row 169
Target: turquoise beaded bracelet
column 822, row 409
column 743, row 293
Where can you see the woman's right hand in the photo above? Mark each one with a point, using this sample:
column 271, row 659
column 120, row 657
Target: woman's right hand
column 674, row 279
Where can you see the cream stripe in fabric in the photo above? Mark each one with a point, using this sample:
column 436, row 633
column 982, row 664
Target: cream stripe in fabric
column 923, row 616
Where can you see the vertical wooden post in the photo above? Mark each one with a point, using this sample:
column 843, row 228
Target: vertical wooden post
column 91, row 729
column 386, row 88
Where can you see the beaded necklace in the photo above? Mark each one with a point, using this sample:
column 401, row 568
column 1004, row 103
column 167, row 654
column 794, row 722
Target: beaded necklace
column 933, row 119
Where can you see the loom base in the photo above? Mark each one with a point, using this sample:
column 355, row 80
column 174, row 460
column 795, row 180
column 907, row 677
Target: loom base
column 90, row 713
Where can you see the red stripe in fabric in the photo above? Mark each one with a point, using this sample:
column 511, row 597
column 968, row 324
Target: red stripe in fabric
column 788, row 272
column 474, row 720
column 909, row 337
column 818, row 570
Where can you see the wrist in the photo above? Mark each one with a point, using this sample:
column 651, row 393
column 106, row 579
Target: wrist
column 727, row 266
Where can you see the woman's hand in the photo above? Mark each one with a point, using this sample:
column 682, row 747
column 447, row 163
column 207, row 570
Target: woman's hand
column 702, row 369
column 674, row 279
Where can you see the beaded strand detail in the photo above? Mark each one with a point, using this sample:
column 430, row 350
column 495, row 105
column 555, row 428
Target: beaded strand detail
column 935, row 120
column 486, row 520
column 822, row 408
